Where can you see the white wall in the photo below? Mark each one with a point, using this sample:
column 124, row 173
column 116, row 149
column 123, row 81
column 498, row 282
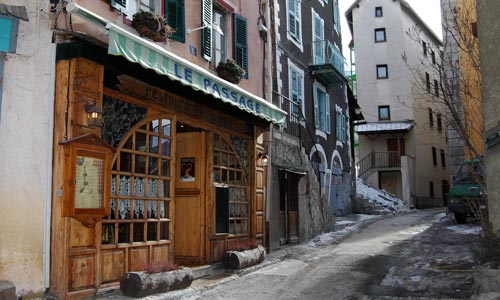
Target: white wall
column 24, row 151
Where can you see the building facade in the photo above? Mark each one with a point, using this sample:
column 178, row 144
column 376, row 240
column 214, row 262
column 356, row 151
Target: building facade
column 487, row 14
column 136, row 152
column 310, row 171
column 403, row 147
column 461, row 81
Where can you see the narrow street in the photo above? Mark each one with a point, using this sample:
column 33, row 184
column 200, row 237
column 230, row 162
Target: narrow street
column 411, row 256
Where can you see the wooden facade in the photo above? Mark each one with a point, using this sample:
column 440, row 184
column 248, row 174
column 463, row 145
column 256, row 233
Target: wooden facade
column 183, row 185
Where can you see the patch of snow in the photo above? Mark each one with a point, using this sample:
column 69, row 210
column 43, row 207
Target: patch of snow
column 334, row 236
column 466, row 229
column 387, row 201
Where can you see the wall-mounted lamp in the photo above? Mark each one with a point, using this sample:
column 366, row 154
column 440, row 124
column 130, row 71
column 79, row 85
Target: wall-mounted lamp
column 214, row 26
column 264, row 156
column 94, row 114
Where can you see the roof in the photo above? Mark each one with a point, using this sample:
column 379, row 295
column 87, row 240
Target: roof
column 404, row 4
column 383, row 127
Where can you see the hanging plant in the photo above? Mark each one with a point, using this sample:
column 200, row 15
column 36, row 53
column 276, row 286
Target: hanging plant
column 230, row 71
column 151, row 26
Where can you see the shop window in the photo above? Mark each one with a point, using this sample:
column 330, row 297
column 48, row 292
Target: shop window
column 382, row 72
column 384, row 113
column 230, row 166
column 378, row 12
column 221, row 210
column 321, row 108
column 141, row 187
column 380, row 35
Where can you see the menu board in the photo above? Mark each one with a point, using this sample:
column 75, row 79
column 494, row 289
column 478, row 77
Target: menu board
column 89, row 183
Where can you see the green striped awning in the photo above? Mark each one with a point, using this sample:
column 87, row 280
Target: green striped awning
column 152, row 56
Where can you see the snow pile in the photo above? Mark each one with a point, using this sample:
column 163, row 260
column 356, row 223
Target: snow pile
column 466, row 229
column 381, row 199
column 349, row 226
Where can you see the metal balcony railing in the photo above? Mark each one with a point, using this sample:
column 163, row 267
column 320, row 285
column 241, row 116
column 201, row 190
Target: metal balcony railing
column 378, row 160
column 295, row 116
column 325, row 53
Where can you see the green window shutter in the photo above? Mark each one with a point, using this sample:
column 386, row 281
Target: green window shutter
column 206, row 33
column 8, row 34
column 327, row 115
column 338, row 130
column 240, row 42
column 174, row 13
column 316, row 107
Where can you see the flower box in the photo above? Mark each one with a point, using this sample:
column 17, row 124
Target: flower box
column 230, row 71
column 151, row 26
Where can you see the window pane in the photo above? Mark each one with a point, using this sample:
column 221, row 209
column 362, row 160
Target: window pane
column 138, row 232
column 382, row 71
column 379, row 35
column 152, row 231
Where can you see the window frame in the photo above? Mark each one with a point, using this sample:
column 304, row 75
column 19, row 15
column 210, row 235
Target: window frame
column 443, row 159
column 436, row 88
column 319, row 57
column 377, row 30
column 424, row 48
column 381, row 67
column 321, row 115
column 380, row 107
column 292, row 68
column 434, row 156
column 379, row 13
column 226, row 47
column 439, row 122
column 295, row 36
column 340, row 125
column 431, row 118
column 431, row 189
column 427, row 82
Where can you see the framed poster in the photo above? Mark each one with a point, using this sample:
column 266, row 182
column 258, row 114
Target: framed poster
column 87, row 171
column 187, row 169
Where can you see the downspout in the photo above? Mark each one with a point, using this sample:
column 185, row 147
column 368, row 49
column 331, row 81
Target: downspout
column 48, row 188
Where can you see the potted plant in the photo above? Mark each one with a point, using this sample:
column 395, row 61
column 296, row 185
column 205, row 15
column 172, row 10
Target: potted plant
column 243, row 254
column 151, row 26
column 156, row 278
column 230, row 71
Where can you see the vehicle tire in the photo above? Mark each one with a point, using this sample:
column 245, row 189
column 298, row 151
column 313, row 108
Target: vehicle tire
column 460, row 218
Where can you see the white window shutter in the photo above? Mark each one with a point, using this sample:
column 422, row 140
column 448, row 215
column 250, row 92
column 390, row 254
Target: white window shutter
column 316, row 108
column 327, row 110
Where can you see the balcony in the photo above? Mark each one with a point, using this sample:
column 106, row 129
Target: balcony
column 295, row 116
column 378, row 160
column 327, row 63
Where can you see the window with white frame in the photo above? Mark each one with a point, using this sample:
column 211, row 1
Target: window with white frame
column 219, row 52
column 296, row 81
column 321, row 108
column 336, row 15
column 340, row 125
column 294, row 19
column 318, row 37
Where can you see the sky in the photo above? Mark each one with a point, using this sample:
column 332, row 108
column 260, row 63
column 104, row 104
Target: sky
column 428, row 10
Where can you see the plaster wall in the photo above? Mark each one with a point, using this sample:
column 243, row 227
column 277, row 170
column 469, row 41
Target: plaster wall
column 488, row 29
column 191, row 49
column 25, row 157
column 372, row 92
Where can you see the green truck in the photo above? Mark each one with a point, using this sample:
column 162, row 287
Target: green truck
column 466, row 196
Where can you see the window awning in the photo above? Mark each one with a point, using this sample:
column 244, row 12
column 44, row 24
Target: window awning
column 152, row 56
column 385, row 127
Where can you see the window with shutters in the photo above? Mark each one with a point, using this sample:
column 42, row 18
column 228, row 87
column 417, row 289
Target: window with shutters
column 294, row 20
column 175, row 15
column 321, row 108
column 240, row 44
column 219, row 46
column 340, row 125
column 8, row 33
column 318, row 36
column 336, row 15
column 206, row 32
column 296, row 80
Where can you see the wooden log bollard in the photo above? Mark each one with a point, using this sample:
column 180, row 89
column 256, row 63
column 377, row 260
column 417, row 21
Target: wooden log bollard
column 243, row 259
column 140, row 284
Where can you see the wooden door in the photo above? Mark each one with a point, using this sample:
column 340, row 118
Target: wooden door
column 190, row 175
column 289, row 215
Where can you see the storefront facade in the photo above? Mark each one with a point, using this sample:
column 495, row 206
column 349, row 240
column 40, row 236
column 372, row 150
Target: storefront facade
column 175, row 162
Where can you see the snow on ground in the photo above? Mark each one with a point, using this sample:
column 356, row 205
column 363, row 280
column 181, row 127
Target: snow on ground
column 378, row 197
column 466, row 228
column 353, row 223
